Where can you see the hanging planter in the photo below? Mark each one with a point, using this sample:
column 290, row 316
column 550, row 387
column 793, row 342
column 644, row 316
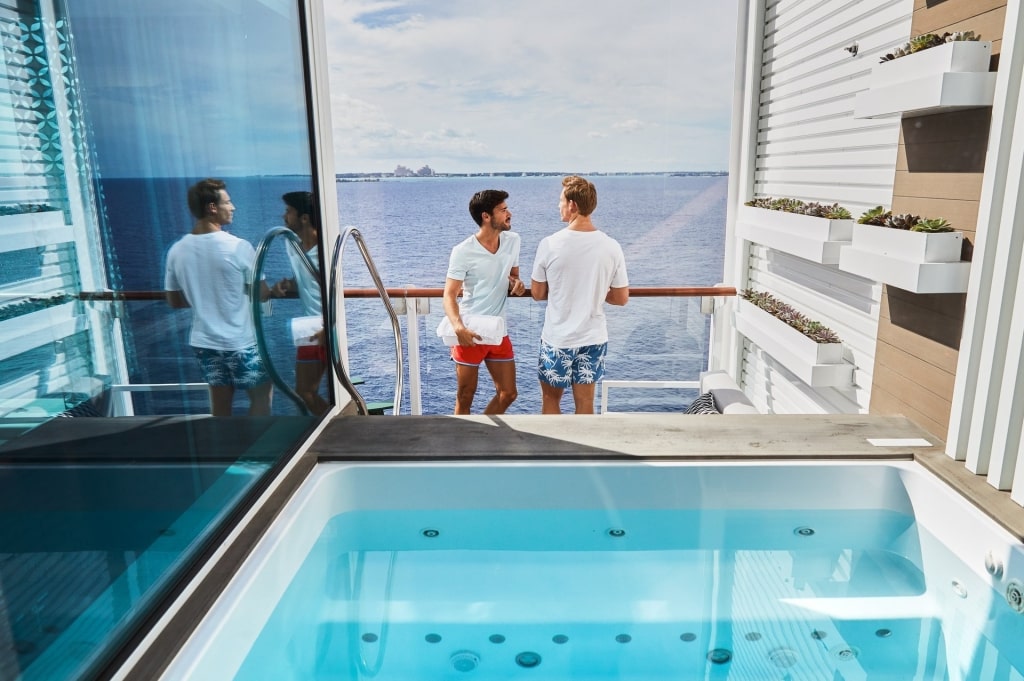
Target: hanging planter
column 31, row 229
column 945, row 77
column 961, row 56
column 41, row 327
column 813, row 237
column 816, row 362
column 909, row 257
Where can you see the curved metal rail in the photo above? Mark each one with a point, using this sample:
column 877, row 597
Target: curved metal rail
column 332, row 307
column 257, row 313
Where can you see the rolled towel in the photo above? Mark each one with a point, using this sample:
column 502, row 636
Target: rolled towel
column 490, row 327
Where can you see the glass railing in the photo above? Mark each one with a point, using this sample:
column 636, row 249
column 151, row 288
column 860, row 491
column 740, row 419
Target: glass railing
column 660, row 335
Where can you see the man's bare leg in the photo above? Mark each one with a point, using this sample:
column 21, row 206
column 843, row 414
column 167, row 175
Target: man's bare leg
column 259, row 399
column 505, row 392
column 307, row 384
column 221, row 397
column 583, row 396
column 466, row 379
column 550, row 399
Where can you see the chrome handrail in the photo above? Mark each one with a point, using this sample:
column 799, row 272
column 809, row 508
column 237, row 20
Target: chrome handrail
column 339, row 247
column 257, row 305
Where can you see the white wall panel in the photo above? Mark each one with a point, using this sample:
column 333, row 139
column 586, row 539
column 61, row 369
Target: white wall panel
column 809, row 147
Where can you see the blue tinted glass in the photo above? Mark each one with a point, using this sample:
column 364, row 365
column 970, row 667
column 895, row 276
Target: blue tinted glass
column 113, row 474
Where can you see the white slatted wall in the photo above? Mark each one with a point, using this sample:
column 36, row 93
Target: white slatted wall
column 809, row 147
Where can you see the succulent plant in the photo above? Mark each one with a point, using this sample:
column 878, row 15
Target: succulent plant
column 960, row 36
column 902, row 221
column 895, row 53
column 932, row 225
column 32, row 304
column 927, row 40
column 875, row 216
column 816, row 331
column 21, row 208
column 837, row 212
column 923, row 42
column 814, row 209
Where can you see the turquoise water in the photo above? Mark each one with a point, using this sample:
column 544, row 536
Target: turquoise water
column 792, row 595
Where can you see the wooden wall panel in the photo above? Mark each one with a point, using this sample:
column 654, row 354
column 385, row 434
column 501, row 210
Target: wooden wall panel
column 938, row 174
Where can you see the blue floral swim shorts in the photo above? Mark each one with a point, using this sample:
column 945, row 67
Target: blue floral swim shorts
column 562, row 367
column 240, row 368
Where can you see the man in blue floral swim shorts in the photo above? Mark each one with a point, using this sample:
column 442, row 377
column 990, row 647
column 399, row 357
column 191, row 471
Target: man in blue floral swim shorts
column 576, row 270
column 208, row 271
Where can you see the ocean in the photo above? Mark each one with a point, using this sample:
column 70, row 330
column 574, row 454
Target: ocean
column 671, row 229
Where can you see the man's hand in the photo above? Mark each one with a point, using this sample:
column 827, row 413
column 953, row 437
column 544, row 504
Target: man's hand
column 516, row 287
column 467, row 337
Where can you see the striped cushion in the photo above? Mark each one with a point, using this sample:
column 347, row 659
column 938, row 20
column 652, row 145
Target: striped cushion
column 705, row 404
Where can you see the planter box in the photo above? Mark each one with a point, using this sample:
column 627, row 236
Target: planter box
column 821, row 229
column 816, row 364
column 39, row 328
column 944, row 78
column 932, row 94
column 967, row 56
column 919, row 262
column 32, row 230
column 907, row 245
column 811, row 238
column 916, row 277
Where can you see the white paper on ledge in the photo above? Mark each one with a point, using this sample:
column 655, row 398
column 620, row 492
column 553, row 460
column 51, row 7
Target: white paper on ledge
column 490, row 327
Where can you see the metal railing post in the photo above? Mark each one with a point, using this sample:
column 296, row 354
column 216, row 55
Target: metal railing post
column 412, row 340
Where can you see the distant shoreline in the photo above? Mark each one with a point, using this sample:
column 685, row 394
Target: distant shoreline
column 367, row 177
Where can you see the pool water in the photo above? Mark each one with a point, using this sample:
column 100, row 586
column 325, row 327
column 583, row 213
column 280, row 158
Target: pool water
column 720, row 594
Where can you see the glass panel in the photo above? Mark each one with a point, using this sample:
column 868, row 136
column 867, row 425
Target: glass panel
column 649, row 339
column 110, row 110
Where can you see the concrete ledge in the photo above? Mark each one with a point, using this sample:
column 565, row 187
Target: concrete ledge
column 614, row 437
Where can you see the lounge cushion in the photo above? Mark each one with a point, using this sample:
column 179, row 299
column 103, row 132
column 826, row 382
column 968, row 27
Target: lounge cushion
column 705, row 404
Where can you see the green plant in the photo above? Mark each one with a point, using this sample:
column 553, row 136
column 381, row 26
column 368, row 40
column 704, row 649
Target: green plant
column 21, row 208
column 880, row 217
column 874, row 216
column 902, row 221
column 961, row 36
column 923, row 42
column 927, row 41
column 32, row 304
column 932, row 226
column 814, row 209
column 816, row 331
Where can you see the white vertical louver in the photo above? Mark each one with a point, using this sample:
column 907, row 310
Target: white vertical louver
column 805, row 144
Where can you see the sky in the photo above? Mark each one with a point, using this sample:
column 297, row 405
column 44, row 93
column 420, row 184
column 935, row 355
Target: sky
column 459, row 85
column 545, row 85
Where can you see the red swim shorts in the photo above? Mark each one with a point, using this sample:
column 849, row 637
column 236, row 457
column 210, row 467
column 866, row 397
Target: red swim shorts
column 475, row 354
column 311, row 353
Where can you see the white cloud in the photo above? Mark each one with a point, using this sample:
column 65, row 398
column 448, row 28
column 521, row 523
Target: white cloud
column 470, row 86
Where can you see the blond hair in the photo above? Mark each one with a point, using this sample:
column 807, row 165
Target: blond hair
column 582, row 192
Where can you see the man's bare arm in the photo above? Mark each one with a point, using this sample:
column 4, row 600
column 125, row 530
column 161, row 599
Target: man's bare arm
column 452, row 287
column 538, row 289
column 617, row 296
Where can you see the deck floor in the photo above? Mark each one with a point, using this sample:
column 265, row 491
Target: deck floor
column 670, row 437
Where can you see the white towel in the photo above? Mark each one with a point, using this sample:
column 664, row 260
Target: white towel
column 490, row 327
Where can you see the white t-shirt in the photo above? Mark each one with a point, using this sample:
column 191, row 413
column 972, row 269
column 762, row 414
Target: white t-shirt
column 484, row 275
column 579, row 268
column 307, row 285
column 212, row 271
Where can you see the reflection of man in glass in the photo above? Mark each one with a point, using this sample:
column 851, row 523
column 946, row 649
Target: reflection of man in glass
column 208, row 270
column 310, row 360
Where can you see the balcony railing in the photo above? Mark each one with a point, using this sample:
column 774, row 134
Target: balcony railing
column 660, row 339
